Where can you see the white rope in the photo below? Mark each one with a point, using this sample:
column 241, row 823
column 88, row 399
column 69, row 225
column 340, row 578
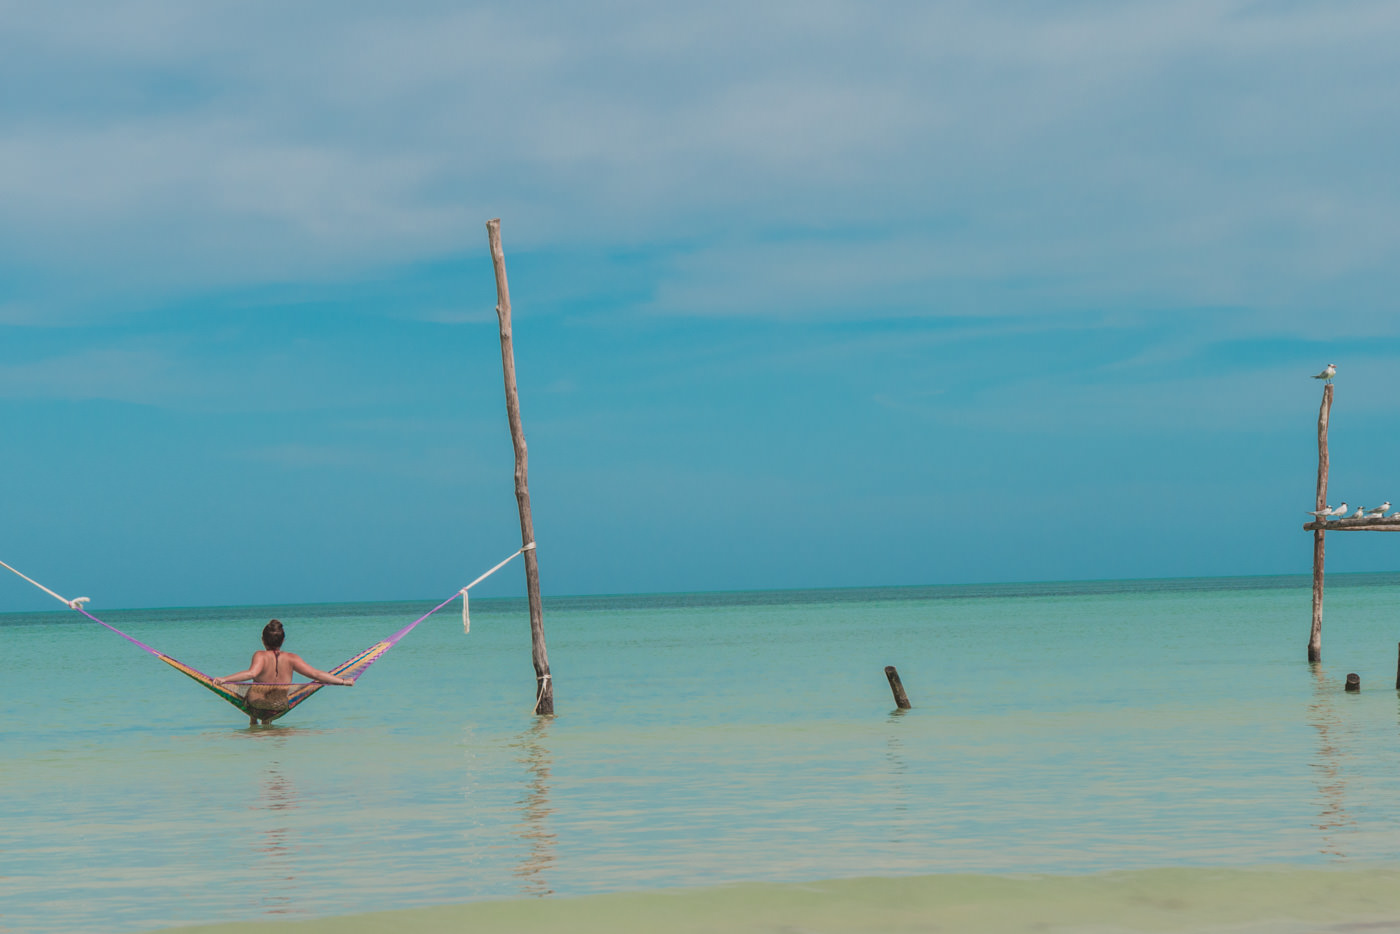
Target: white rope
column 466, row 619
column 543, row 680
column 73, row 604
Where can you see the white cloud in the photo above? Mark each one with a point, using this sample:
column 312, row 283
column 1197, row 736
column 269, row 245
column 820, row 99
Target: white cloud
column 453, row 316
column 140, row 376
column 304, row 456
column 1196, row 153
column 20, row 314
column 187, row 375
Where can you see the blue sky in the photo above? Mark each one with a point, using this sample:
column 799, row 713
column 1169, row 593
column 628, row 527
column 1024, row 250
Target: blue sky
column 806, row 294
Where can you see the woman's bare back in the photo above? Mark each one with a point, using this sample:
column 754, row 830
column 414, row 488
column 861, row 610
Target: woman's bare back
column 273, row 666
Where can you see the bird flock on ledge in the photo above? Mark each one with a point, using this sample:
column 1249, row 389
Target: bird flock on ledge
column 1327, row 513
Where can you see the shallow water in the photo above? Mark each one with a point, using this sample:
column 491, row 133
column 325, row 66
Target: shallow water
column 700, row 740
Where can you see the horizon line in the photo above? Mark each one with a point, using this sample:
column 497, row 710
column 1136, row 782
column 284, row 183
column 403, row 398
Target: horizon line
column 1303, row 575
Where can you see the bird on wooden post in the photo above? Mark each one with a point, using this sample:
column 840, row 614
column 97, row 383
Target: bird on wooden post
column 1328, row 373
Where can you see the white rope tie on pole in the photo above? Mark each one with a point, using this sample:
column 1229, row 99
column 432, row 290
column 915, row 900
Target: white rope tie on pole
column 466, row 619
column 544, row 681
column 77, row 602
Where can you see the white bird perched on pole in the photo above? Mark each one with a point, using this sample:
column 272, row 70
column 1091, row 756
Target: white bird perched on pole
column 1379, row 511
column 1328, row 373
column 1360, row 511
column 1322, row 513
column 1340, row 511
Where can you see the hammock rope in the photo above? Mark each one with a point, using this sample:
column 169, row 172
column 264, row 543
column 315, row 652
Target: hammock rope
column 270, row 701
column 543, row 682
column 466, row 620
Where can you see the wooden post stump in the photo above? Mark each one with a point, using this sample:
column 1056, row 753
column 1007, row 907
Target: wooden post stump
column 1353, row 682
column 901, row 700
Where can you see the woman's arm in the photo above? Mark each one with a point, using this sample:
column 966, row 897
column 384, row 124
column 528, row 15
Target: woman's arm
column 315, row 674
column 254, row 668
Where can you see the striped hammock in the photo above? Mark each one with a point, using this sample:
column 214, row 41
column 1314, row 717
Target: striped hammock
column 267, row 701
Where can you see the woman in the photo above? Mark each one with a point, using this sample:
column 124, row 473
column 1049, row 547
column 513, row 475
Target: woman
column 273, row 668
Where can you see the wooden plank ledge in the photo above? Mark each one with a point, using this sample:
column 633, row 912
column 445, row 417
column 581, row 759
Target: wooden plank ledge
column 1388, row 524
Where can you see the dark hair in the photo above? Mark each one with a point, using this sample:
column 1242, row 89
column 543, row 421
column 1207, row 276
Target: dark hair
column 273, row 634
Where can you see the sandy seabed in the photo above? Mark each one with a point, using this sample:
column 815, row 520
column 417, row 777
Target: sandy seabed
column 1201, row 901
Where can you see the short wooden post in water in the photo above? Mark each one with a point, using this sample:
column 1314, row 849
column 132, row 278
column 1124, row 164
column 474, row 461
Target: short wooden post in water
column 1315, row 639
column 544, row 684
column 901, row 700
column 1397, row 673
column 1353, row 682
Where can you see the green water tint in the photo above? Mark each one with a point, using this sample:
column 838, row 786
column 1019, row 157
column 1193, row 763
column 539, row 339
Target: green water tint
column 702, row 740
column 1188, row 901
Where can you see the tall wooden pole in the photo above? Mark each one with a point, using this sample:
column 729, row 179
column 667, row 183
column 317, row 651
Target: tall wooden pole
column 1315, row 640
column 544, row 684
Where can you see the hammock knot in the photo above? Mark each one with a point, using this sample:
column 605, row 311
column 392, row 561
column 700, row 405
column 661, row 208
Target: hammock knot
column 77, row 603
column 529, row 547
column 543, row 681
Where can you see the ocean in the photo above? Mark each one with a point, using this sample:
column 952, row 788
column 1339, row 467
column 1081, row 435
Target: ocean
column 1141, row 755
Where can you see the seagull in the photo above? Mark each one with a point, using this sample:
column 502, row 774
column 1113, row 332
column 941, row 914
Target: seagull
column 1322, row 513
column 1328, row 373
column 1340, row 511
column 1379, row 511
column 1360, row 511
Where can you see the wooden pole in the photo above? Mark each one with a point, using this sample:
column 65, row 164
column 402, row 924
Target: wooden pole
column 544, row 684
column 1315, row 639
column 901, row 700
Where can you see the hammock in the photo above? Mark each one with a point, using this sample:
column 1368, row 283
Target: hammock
column 267, row 701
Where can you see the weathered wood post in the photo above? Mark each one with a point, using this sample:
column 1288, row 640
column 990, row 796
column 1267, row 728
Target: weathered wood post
column 1353, row 682
column 544, row 684
column 901, row 700
column 1315, row 639
column 1397, row 674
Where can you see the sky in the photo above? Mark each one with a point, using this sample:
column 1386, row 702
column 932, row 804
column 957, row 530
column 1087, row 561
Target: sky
column 817, row 294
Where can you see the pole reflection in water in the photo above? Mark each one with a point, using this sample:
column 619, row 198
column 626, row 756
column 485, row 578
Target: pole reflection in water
column 535, row 809
column 1327, row 766
column 275, row 857
column 899, row 777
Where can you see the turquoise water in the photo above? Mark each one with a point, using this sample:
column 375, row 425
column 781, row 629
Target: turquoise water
column 701, row 739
